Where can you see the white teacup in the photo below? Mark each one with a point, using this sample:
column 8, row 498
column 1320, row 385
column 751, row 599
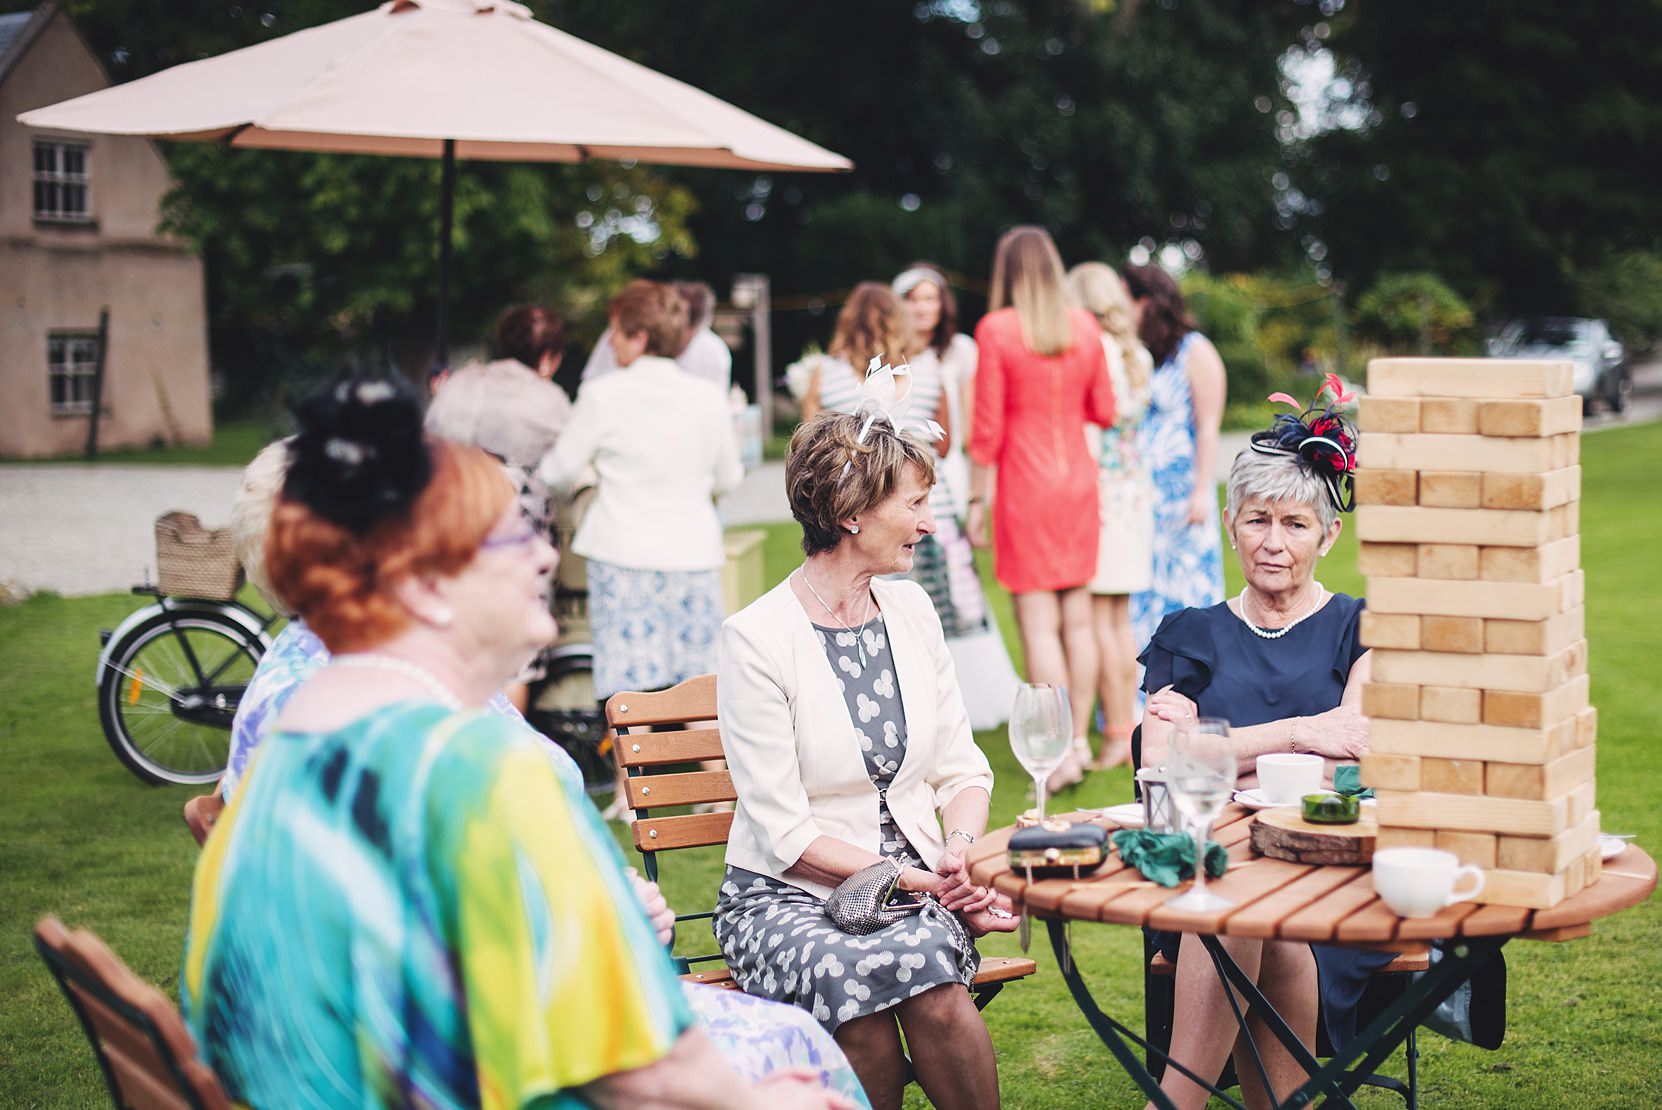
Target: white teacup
column 1417, row 882
column 1284, row 777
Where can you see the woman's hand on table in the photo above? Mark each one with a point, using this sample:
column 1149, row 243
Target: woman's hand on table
column 657, row 909
column 1340, row 733
column 1170, row 706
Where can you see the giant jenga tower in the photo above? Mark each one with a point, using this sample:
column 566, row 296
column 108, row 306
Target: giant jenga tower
column 1468, row 498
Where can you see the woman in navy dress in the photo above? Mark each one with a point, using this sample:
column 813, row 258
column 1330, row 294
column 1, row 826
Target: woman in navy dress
column 1283, row 663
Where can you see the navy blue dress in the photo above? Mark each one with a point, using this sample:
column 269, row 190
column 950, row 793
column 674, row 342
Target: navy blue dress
column 1212, row 658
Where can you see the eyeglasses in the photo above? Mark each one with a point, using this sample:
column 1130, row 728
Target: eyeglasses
column 515, row 539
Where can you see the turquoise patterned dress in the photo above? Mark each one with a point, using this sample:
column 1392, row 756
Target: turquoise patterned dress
column 1188, row 558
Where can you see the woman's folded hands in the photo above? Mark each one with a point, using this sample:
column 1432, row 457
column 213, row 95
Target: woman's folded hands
column 983, row 909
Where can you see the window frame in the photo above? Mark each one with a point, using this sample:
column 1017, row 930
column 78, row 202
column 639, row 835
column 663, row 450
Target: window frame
column 59, row 180
column 79, row 376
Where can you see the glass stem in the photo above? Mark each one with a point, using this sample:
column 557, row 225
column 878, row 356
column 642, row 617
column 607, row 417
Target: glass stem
column 1039, row 789
column 1199, row 832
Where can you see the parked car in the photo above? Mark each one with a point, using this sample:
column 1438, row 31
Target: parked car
column 1602, row 374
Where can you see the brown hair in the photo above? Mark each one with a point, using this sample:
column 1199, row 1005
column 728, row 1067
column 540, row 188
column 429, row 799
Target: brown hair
column 528, row 332
column 871, row 323
column 947, row 326
column 655, row 308
column 1027, row 276
column 1166, row 318
column 342, row 584
column 831, row 476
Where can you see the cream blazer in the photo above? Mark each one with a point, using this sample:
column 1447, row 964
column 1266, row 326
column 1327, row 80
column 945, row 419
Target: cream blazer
column 662, row 445
column 790, row 742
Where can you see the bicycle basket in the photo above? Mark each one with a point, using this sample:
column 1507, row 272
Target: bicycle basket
column 193, row 561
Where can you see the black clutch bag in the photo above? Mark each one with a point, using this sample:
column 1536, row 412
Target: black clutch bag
column 1055, row 850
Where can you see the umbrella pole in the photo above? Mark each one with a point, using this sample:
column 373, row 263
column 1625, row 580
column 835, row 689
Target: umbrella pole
column 447, row 206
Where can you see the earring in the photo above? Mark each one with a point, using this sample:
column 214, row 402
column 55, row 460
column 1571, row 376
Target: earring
column 854, row 529
column 443, row 617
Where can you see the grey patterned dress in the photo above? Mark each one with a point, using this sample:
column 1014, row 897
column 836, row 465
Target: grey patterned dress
column 776, row 938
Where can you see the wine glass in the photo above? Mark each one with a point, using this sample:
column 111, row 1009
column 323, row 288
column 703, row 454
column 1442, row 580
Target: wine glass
column 1201, row 777
column 1041, row 731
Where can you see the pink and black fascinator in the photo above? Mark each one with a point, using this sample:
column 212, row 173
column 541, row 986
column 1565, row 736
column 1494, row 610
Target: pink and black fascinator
column 1320, row 437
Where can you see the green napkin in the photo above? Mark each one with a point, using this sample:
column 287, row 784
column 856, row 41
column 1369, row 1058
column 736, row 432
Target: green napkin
column 1347, row 780
column 1168, row 858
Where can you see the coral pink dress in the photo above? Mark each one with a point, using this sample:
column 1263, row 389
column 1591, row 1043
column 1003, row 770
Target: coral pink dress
column 1030, row 416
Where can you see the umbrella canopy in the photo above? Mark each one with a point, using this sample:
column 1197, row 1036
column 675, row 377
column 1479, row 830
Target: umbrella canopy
column 470, row 79
column 412, row 73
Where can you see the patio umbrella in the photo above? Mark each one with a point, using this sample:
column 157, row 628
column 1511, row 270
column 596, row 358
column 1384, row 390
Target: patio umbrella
column 470, row 79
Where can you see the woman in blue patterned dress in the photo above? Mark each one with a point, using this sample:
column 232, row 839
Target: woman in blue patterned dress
column 1178, row 443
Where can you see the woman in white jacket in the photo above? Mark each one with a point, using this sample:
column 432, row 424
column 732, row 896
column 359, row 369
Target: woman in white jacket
column 848, row 742
column 660, row 446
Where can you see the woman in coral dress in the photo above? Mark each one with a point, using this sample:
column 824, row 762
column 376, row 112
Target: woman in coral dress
column 1042, row 375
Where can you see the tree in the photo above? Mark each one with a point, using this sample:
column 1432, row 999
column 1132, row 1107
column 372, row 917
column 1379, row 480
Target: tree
column 1502, row 146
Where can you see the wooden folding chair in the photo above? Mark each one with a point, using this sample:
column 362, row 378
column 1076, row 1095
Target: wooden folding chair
column 147, row 1055
column 202, row 813
column 657, row 736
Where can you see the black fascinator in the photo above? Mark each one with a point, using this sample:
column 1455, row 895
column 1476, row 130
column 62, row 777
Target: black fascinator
column 1320, row 437
column 359, row 457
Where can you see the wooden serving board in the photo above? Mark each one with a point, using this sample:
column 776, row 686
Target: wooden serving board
column 1285, row 834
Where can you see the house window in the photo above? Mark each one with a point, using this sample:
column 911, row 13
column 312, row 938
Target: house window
column 70, row 361
column 61, row 182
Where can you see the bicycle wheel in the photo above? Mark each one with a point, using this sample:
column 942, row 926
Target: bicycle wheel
column 565, row 711
column 170, row 690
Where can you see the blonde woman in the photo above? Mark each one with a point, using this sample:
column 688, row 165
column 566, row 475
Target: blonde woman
column 1125, row 556
column 1041, row 376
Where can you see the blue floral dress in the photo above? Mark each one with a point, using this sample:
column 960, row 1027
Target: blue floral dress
column 1188, row 559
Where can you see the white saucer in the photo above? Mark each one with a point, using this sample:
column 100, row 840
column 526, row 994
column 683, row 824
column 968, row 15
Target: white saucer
column 1610, row 847
column 1127, row 816
column 1254, row 799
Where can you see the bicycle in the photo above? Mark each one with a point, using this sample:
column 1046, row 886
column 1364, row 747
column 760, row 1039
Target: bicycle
column 169, row 680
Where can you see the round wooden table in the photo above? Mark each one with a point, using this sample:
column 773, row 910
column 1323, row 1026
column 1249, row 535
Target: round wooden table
column 1276, row 899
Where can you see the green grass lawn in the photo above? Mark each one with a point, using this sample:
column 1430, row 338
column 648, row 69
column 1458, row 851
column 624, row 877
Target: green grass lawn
column 81, row 838
column 234, row 443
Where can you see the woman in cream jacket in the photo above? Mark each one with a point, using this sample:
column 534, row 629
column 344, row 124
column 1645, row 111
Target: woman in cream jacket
column 848, row 742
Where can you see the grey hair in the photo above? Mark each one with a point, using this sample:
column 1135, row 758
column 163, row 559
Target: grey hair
column 1277, row 478
column 262, row 481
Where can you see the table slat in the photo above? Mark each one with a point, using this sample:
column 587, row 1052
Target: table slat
column 1444, row 923
column 1320, row 920
column 1261, row 918
column 1244, row 884
column 1494, row 921
column 1624, row 881
column 1374, row 923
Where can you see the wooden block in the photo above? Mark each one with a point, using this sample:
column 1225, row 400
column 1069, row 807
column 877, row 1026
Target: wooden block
column 1399, row 560
column 1538, row 782
column 1511, row 709
column 1393, row 451
column 1582, row 799
column 1448, row 561
column 1449, row 416
column 1483, row 742
column 1527, row 491
column 1468, row 813
column 1462, row 634
column 1595, row 866
column 1528, row 418
column 1548, row 854
column 1451, row 776
column 1544, row 637
column 1390, row 630
column 1404, row 838
column 1400, row 703
column 1475, row 848
column 1528, row 564
column 1469, row 377
column 1586, row 727
column 1525, row 889
column 1526, row 674
column 1386, row 487
column 1391, row 772
column 1453, row 705
column 1448, row 489
column 1387, row 414
column 1523, row 601
column 1574, row 590
column 1495, row 527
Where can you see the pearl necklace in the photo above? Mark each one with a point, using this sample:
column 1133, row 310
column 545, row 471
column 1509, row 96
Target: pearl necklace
column 421, row 676
column 860, row 636
column 1276, row 634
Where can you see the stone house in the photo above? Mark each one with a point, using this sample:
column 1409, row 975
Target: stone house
column 78, row 234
